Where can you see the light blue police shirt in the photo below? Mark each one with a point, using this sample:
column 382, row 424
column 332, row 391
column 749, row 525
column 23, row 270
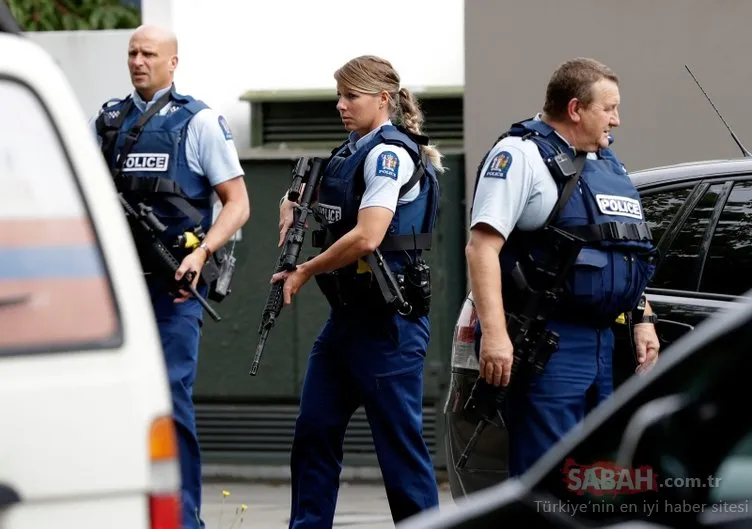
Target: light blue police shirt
column 386, row 169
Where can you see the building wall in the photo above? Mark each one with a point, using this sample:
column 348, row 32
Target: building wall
column 511, row 49
column 228, row 47
column 93, row 61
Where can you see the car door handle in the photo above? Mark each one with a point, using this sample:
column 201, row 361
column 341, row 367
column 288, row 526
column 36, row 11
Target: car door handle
column 8, row 496
column 687, row 326
column 18, row 299
column 669, row 331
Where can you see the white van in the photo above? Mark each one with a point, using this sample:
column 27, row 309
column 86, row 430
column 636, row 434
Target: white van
column 86, row 436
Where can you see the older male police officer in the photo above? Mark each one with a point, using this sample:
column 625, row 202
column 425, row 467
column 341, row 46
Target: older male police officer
column 184, row 153
column 516, row 193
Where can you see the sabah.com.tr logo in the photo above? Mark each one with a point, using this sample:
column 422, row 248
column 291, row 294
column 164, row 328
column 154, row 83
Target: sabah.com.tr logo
column 606, row 478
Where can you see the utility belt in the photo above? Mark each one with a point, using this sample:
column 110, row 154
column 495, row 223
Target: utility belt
column 585, row 300
column 371, row 284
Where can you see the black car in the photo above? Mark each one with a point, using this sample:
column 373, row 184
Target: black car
column 670, row 449
column 701, row 215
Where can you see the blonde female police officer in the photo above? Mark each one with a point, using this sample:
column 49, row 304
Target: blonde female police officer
column 367, row 353
column 516, row 192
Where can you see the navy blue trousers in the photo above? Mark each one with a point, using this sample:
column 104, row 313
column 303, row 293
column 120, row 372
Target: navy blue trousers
column 577, row 378
column 180, row 330
column 376, row 362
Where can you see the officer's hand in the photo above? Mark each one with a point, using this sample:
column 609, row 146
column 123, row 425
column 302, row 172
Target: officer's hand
column 293, row 282
column 646, row 346
column 193, row 262
column 496, row 359
column 285, row 219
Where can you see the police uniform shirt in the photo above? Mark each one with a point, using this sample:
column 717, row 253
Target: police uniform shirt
column 515, row 188
column 387, row 168
column 210, row 150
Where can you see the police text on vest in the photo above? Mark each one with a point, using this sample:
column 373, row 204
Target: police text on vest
column 330, row 214
column 144, row 161
column 622, row 206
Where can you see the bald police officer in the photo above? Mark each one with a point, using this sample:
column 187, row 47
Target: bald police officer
column 516, row 193
column 183, row 156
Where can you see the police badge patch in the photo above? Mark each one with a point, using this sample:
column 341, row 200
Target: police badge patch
column 499, row 166
column 387, row 164
column 225, row 127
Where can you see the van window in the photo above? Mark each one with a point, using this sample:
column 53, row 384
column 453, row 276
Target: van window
column 729, row 258
column 679, row 269
column 55, row 294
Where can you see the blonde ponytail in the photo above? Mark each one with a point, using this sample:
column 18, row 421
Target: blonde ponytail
column 410, row 116
column 370, row 74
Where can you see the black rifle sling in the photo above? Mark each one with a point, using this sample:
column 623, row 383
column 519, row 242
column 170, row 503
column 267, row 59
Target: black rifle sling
column 569, row 187
column 417, row 175
column 135, row 132
column 421, row 241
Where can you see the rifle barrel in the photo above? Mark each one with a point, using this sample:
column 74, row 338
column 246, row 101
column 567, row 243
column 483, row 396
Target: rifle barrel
column 471, row 443
column 306, row 174
column 208, row 308
column 259, row 351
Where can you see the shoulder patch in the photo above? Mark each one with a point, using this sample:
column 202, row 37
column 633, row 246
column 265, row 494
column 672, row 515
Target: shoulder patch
column 225, row 127
column 387, row 164
column 499, row 166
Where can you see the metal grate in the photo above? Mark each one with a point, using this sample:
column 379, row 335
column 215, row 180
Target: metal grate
column 306, row 122
column 248, row 431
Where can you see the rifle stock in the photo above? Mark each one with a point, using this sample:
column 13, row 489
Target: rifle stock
column 306, row 175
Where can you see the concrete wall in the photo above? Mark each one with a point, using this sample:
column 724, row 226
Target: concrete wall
column 511, row 49
column 93, row 61
column 227, row 47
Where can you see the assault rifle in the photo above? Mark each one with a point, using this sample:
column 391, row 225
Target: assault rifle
column 541, row 286
column 146, row 229
column 306, row 175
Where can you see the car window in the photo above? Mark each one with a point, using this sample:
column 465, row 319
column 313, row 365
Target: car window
column 700, row 455
column 733, row 479
column 729, row 258
column 660, row 208
column 54, row 290
column 679, row 269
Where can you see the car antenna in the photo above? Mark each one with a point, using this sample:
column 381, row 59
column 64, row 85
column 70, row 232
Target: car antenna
column 745, row 152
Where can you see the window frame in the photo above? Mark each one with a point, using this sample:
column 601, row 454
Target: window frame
column 115, row 341
column 700, row 186
column 731, row 183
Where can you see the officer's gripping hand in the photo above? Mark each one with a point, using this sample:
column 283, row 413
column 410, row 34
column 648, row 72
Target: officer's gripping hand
column 286, row 218
column 646, row 346
column 294, row 281
column 496, row 355
column 193, row 262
